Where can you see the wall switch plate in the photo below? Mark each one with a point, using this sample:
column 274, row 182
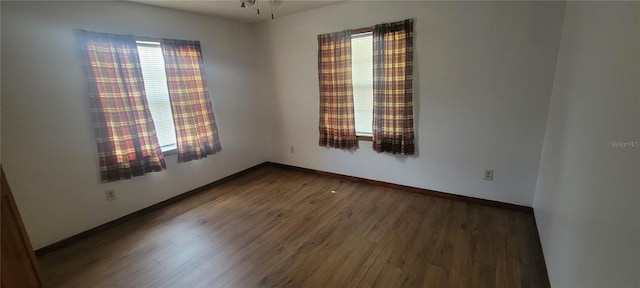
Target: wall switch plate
column 111, row 194
column 293, row 149
column 488, row 174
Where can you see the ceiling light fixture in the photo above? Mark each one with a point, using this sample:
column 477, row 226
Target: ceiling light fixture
column 249, row 3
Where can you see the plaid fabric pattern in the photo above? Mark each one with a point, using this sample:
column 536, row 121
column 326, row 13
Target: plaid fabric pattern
column 337, row 122
column 125, row 134
column 392, row 88
column 196, row 129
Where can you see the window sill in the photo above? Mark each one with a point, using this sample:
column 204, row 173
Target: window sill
column 170, row 152
column 364, row 138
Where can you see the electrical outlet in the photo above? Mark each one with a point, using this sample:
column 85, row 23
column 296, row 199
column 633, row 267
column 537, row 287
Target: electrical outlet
column 488, row 174
column 111, row 195
column 293, row 149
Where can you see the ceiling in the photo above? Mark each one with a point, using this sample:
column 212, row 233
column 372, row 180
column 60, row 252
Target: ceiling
column 231, row 9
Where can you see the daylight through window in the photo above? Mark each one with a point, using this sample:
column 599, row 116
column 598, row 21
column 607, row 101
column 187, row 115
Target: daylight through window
column 362, row 74
column 155, row 85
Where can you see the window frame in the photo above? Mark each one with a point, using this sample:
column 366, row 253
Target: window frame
column 357, row 32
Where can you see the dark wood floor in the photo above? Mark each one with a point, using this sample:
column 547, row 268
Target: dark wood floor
column 277, row 227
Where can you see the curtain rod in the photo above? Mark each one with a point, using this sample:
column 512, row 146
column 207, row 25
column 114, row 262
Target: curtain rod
column 137, row 37
column 362, row 30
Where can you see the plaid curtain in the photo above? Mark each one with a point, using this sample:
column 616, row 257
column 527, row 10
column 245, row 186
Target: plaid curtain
column 125, row 134
column 196, row 129
column 392, row 88
column 337, row 121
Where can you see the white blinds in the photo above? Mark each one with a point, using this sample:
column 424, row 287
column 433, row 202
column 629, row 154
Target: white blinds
column 362, row 74
column 155, row 84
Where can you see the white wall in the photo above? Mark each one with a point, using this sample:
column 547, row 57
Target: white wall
column 48, row 144
column 587, row 202
column 482, row 81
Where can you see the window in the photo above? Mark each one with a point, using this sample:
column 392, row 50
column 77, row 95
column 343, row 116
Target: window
column 134, row 128
column 362, row 74
column 365, row 79
column 155, row 86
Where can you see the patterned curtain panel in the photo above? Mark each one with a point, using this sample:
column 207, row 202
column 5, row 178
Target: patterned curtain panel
column 125, row 134
column 196, row 129
column 337, row 121
column 392, row 88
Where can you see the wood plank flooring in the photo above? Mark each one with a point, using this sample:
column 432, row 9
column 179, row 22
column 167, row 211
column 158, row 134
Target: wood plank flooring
column 278, row 227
